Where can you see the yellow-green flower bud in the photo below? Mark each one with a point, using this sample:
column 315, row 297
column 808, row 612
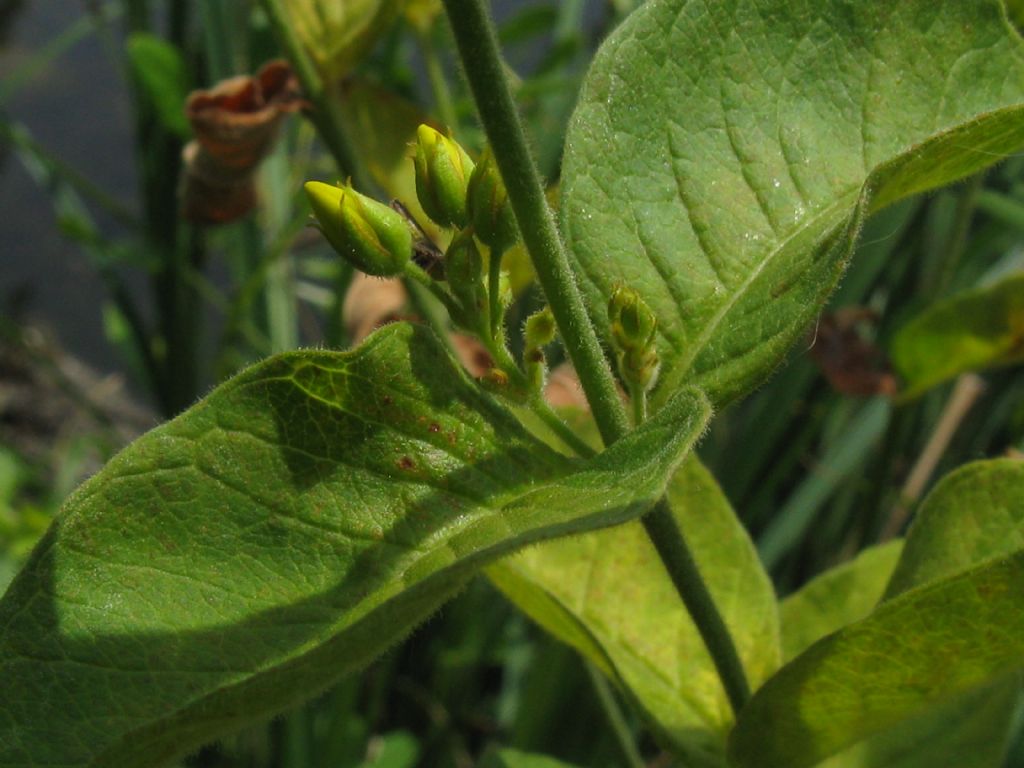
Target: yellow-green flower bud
column 539, row 332
column 374, row 238
column 634, row 333
column 540, row 328
column 489, row 209
column 633, row 324
column 442, row 175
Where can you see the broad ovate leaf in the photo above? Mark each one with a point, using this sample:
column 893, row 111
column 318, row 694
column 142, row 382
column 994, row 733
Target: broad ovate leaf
column 973, row 514
column 607, row 594
column 969, row 731
column 724, row 154
column 978, row 329
column 840, row 596
column 283, row 531
column 924, row 648
column 933, row 670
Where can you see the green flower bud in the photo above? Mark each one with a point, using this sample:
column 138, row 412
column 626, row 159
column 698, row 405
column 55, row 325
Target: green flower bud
column 489, row 209
column 633, row 324
column 368, row 234
column 539, row 332
column 442, row 175
column 540, row 328
column 634, row 333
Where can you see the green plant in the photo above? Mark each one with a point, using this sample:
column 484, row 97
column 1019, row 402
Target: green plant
column 312, row 510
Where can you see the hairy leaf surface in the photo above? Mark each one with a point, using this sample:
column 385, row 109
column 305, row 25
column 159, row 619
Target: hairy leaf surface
column 724, row 154
column 972, row 331
column 607, row 594
column 283, row 531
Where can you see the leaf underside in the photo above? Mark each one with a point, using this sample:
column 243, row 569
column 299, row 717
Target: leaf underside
column 608, row 595
column 724, row 154
column 929, row 677
column 285, row 530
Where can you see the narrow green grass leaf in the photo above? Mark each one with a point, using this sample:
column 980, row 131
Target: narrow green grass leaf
column 724, row 154
column 161, row 74
column 282, row 532
column 971, row 331
column 607, row 595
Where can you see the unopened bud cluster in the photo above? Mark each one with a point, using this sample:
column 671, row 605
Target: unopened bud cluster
column 457, row 194
column 634, row 334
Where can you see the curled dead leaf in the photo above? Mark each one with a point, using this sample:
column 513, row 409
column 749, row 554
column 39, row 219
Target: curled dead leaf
column 853, row 365
column 235, row 124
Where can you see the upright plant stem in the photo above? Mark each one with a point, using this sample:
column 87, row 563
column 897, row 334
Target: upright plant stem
column 616, row 719
column 478, row 49
column 326, row 110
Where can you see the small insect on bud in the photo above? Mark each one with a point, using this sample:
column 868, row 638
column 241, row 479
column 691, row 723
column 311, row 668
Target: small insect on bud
column 443, row 170
column 368, row 234
column 634, row 333
column 489, row 209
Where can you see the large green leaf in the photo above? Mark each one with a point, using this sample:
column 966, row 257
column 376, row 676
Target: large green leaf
column 283, row 531
column 836, row 598
column 724, row 154
column 607, row 594
column 928, row 679
column 923, row 648
column 978, row 329
column 973, row 514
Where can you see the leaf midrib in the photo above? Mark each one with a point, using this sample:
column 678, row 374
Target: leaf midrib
column 685, row 363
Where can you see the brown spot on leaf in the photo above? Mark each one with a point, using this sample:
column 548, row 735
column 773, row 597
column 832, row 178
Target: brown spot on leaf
column 406, row 463
column 434, row 427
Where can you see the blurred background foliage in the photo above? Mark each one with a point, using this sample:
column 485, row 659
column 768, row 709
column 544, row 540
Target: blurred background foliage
column 150, row 251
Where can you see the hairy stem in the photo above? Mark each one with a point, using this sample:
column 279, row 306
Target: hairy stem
column 478, row 49
column 617, row 721
column 665, row 534
column 554, row 422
